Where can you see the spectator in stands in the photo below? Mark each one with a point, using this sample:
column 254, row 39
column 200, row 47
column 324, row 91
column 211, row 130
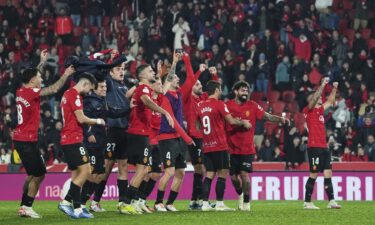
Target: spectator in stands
column 268, row 46
column 95, row 12
column 329, row 20
column 142, row 24
column 370, row 148
column 10, row 14
column 87, row 40
column 265, row 154
column 341, row 49
column 331, row 69
column 361, row 156
column 282, row 76
column 362, row 14
column 294, row 153
column 64, row 27
column 75, row 11
column 302, row 47
column 263, row 75
column 54, row 137
column 348, row 155
column 278, row 155
column 335, row 148
column 368, row 73
column 181, row 29
column 305, row 87
column 367, row 129
column 5, row 156
column 341, row 114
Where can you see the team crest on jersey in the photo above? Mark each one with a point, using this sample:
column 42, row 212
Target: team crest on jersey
column 78, row 102
column 145, row 90
column 84, row 158
column 145, row 159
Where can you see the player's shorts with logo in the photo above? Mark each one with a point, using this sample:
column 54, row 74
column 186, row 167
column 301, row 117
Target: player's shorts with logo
column 75, row 155
column 139, row 150
column 116, row 144
column 155, row 162
column 173, row 153
column 214, row 161
column 31, row 158
column 96, row 156
column 196, row 153
column 240, row 163
column 319, row 159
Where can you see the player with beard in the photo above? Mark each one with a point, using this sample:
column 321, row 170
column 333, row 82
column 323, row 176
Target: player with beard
column 240, row 140
column 75, row 154
column 318, row 154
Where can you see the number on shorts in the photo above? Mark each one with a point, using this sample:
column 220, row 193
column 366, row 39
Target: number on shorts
column 206, row 125
column 82, row 150
column 315, row 161
column 199, row 152
column 168, row 156
column 145, row 153
column 150, row 161
column 93, row 160
column 19, row 114
column 111, row 147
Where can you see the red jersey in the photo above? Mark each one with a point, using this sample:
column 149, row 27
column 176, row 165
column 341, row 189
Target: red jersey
column 212, row 114
column 315, row 125
column 28, row 113
column 190, row 113
column 140, row 115
column 241, row 140
column 72, row 131
column 155, row 121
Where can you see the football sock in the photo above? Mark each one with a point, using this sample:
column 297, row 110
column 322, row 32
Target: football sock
column 197, row 187
column 328, row 188
column 27, row 200
column 75, row 193
column 172, row 197
column 150, row 186
column 237, row 186
column 142, row 189
column 133, row 193
column 159, row 197
column 246, row 198
column 220, row 188
column 87, row 190
column 123, row 191
column 99, row 189
column 309, row 189
column 206, row 188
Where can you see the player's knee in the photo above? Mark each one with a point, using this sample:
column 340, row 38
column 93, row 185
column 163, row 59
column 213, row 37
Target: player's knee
column 155, row 176
column 313, row 175
column 179, row 174
column 245, row 177
column 169, row 172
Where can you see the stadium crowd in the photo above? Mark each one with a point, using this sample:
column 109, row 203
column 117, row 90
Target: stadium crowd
column 282, row 48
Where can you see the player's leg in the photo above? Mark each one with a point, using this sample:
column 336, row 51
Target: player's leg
column 314, row 159
column 99, row 190
column 196, row 154
column 98, row 177
column 328, row 187
column 210, row 175
column 222, row 164
column 246, row 167
column 234, row 172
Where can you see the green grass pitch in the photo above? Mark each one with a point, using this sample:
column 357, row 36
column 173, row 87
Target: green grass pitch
column 263, row 212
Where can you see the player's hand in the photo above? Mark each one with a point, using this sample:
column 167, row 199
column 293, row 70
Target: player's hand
column 100, row 121
column 69, row 71
column 325, row 81
column 169, row 119
column 335, row 84
column 246, row 124
column 43, row 55
column 202, row 67
column 92, row 139
column 212, row 70
column 159, row 67
column 176, row 57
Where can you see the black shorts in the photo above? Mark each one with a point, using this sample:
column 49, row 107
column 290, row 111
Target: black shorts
column 96, row 160
column 240, row 163
column 116, row 144
column 31, row 158
column 214, row 161
column 173, row 153
column 319, row 159
column 139, row 150
column 75, row 155
column 155, row 160
column 196, row 154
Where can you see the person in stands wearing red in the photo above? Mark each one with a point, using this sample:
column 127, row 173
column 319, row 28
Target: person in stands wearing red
column 318, row 154
column 25, row 136
column 240, row 140
column 302, row 47
column 64, row 26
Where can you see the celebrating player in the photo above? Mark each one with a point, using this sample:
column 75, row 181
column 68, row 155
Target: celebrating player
column 318, row 154
column 25, row 136
column 240, row 140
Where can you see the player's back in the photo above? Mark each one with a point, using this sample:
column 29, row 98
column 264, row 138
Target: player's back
column 28, row 114
column 212, row 114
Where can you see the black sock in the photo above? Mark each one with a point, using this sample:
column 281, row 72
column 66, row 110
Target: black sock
column 142, row 189
column 133, row 193
column 150, row 186
column 27, row 200
column 99, row 189
column 328, row 188
column 246, row 198
column 75, row 193
column 197, row 187
column 237, row 186
column 206, row 188
column 220, row 188
column 87, row 190
column 160, row 197
column 122, row 190
column 309, row 188
column 172, row 197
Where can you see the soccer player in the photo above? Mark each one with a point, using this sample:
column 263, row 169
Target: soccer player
column 75, row 154
column 318, row 154
column 95, row 139
column 213, row 114
column 139, row 131
column 25, row 136
column 116, row 149
column 241, row 141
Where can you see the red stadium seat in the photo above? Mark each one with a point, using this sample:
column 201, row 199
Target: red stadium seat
column 257, row 96
column 371, row 43
column 273, row 96
column 343, row 25
column 269, row 127
column 315, row 77
column 288, row 96
column 366, row 33
column 347, row 4
column 293, row 107
column 264, row 105
column 278, row 107
column 350, row 34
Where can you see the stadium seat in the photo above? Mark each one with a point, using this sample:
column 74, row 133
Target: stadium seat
column 315, row 77
column 347, row 4
column 273, row 96
column 343, row 25
column 278, row 107
column 257, row 96
column 293, row 107
column 366, row 33
column 269, row 127
column 264, row 105
column 288, row 96
column 350, row 34
column 371, row 43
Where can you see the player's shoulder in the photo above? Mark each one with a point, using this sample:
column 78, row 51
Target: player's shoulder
column 144, row 89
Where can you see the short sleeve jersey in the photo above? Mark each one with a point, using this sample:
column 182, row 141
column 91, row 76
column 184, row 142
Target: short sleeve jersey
column 315, row 125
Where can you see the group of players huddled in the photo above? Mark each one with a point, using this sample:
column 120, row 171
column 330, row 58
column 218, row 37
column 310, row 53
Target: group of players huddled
column 152, row 125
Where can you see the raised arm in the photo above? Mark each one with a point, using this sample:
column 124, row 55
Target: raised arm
column 172, row 72
column 54, row 88
column 318, row 93
column 332, row 97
